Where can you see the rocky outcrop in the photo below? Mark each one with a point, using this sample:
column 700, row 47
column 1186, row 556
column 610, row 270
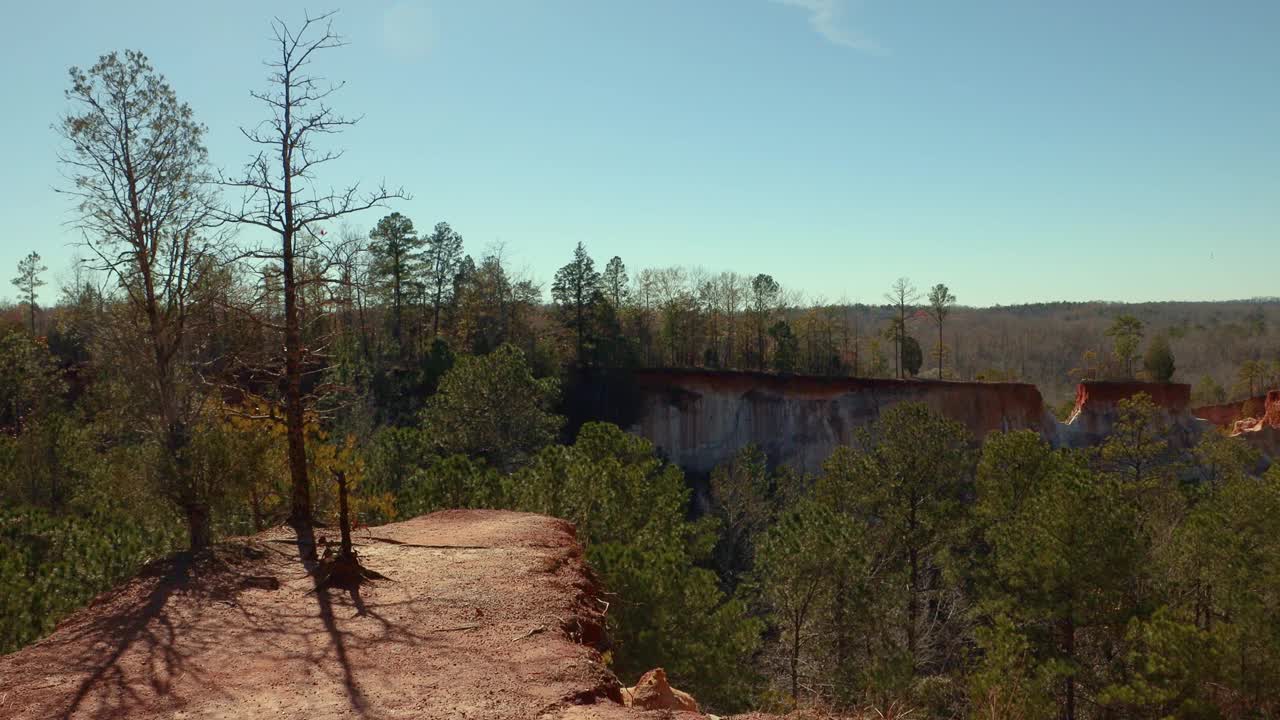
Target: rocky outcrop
column 653, row 692
column 1263, row 431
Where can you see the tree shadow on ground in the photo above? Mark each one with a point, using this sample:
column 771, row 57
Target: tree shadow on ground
column 189, row 620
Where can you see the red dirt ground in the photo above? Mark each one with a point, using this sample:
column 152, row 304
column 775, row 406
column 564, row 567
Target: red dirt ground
column 485, row 614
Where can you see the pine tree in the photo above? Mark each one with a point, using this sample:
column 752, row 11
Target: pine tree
column 575, row 291
column 396, row 252
column 1158, row 362
column 29, row 283
column 441, row 262
column 940, row 302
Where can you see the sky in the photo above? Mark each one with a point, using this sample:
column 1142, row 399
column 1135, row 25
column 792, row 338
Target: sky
column 1018, row 151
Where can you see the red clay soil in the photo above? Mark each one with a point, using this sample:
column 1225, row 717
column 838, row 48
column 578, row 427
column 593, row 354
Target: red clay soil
column 1226, row 414
column 485, row 614
column 1103, row 396
column 1269, row 419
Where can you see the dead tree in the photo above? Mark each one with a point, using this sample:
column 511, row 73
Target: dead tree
column 279, row 196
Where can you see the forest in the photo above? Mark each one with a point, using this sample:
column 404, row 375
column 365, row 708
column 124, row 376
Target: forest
column 232, row 352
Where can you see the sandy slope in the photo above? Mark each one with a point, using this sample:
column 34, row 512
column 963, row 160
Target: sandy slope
column 486, row 615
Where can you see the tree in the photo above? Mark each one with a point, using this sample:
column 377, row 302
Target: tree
column 1158, row 361
column 631, row 512
column 1208, row 391
column 940, row 302
column 575, row 292
column 746, row 498
column 29, row 283
column 1126, row 335
column 1062, row 554
column 614, row 282
column 907, row 481
column 799, row 559
column 1251, row 378
column 492, row 307
column 785, row 347
column 492, row 407
column 442, row 260
column 395, row 250
column 764, row 298
column 902, row 296
column 139, row 166
column 912, row 356
column 275, row 200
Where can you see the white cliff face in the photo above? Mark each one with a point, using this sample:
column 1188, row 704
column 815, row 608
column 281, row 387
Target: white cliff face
column 699, row 420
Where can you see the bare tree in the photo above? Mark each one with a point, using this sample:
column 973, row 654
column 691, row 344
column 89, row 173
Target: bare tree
column 280, row 197
column 902, row 296
column 137, row 163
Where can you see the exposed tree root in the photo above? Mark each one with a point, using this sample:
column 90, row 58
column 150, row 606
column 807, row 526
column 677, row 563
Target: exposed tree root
column 343, row 570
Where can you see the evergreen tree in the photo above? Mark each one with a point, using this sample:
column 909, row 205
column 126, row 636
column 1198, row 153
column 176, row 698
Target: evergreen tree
column 575, row 292
column 786, row 348
column 800, row 558
column 396, row 252
column 908, row 479
column 912, row 356
column 441, row 262
column 1126, row 335
column 1055, row 584
column 29, row 283
column 631, row 513
column 940, row 303
column 492, row 407
column 764, row 299
column 614, row 283
column 1158, row 361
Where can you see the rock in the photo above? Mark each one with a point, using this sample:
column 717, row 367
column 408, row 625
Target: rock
column 652, row 692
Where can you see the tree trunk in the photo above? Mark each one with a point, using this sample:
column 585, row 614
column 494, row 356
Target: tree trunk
column 1069, row 683
column 300, row 510
column 795, row 660
column 913, row 606
column 344, row 518
column 198, row 526
column 435, row 320
column 255, row 504
column 300, row 501
column 939, row 349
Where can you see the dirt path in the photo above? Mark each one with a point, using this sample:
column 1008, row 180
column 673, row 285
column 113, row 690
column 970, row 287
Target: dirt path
column 486, row 615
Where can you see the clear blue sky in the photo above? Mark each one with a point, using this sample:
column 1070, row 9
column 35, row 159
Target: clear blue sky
column 1017, row 150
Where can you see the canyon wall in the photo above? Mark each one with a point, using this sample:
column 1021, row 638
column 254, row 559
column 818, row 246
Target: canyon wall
column 699, row 419
column 1097, row 408
column 1263, row 431
column 1227, row 414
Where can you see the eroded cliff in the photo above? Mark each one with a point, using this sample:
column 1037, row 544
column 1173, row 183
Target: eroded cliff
column 1097, row 409
column 700, row 418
